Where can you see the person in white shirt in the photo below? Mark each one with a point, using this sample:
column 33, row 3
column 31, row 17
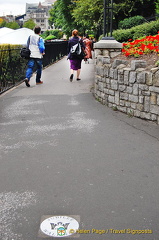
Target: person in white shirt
column 36, row 45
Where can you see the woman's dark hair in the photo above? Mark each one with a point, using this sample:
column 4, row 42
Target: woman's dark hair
column 37, row 30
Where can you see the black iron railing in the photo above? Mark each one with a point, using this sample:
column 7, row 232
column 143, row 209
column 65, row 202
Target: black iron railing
column 54, row 51
column 13, row 67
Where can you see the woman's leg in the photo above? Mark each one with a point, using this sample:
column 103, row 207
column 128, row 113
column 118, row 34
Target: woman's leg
column 78, row 73
column 71, row 69
column 79, row 69
column 71, row 76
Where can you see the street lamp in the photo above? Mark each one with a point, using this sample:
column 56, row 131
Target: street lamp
column 108, row 20
column 108, row 43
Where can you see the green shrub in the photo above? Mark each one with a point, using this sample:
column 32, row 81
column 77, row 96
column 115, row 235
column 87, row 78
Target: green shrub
column 55, row 32
column 29, row 24
column 100, row 37
column 45, row 34
column 123, row 35
column 91, row 35
column 12, row 66
column 12, row 25
column 145, row 29
column 131, row 22
column 50, row 37
column 2, row 23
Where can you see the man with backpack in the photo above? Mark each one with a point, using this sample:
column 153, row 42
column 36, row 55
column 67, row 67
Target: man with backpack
column 36, row 45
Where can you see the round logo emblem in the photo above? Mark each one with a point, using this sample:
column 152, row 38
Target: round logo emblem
column 59, row 226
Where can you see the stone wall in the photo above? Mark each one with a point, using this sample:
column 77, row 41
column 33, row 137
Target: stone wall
column 128, row 88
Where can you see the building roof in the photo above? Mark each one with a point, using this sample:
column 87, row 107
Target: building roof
column 30, row 7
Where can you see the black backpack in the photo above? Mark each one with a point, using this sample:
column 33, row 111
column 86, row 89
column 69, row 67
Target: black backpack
column 76, row 49
column 25, row 51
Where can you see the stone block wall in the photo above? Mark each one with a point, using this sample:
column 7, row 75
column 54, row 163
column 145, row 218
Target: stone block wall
column 128, row 88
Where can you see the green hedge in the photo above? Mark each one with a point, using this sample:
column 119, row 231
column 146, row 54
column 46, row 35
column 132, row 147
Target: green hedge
column 139, row 31
column 58, row 34
column 50, row 37
column 12, row 66
column 131, row 22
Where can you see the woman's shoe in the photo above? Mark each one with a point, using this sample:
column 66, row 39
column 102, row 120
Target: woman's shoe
column 71, row 78
column 78, row 79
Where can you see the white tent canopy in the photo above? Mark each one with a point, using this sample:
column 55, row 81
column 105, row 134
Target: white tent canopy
column 5, row 30
column 19, row 36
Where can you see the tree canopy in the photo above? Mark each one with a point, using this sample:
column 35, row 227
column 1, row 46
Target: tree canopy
column 29, row 24
column 88, row 15
column 12, row 25
column 61, row 15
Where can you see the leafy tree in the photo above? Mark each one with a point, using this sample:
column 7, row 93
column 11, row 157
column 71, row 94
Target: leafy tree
column 61, row 16
column 12, row 25
column 29, row 24
column 89, row 14
column 55, row 32
column 157, row 6
column 2, row 23
column 45, row 34
column 129, row 8
column 145, row 8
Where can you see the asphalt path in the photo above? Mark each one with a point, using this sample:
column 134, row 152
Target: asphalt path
column 64, row 153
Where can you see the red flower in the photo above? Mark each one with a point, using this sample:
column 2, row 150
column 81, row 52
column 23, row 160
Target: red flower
column 141, row 46
column 127, row 54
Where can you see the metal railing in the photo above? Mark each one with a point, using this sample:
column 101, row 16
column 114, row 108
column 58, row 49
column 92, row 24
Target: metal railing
column 54, row 51
column 13, row 67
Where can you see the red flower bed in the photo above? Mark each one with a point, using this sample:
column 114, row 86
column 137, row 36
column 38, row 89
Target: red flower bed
column 142, row 46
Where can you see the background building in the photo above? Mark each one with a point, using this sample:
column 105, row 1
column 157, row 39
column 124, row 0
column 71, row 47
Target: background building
column 39, row 13
column 7, row 18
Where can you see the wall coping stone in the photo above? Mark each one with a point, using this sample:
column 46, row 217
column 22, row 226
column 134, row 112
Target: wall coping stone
column 106, row 44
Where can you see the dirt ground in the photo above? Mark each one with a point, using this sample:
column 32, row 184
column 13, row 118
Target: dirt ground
column 151, row 59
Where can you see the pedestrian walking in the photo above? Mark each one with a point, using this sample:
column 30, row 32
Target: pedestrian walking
column 89, row 47
column 36, row 45
column 75, row 60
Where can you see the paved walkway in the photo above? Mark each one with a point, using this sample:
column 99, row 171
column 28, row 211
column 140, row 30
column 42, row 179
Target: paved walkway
column 63, row 153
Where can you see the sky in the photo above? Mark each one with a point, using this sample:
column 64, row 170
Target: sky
column 14, row 7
